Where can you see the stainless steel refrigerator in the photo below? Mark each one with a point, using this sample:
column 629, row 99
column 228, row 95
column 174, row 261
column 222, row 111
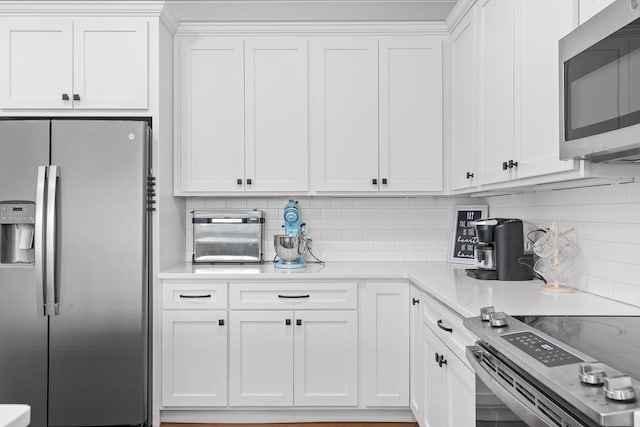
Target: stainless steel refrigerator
column 74, row 271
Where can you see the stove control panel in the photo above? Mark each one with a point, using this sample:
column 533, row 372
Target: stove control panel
column 540, row 349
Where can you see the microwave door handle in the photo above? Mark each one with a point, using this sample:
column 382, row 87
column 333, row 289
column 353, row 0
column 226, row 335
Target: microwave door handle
column 52, row 307
column 38, row 239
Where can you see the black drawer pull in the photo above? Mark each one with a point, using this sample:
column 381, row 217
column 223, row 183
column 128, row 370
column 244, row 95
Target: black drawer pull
column 444, row 328
column 442, row 361
column 195, row 296
column 221, row 322
column 293, row 296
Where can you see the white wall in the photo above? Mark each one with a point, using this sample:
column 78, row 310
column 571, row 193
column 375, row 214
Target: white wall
column 356, row 229
column 607, row 219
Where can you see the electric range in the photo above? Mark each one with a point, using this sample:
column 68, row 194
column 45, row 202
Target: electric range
column 560, row 370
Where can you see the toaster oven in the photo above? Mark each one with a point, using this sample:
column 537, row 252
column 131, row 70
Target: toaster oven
column 227, row 235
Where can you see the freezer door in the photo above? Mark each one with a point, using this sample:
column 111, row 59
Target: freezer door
column 98, row 342
column 24, row 145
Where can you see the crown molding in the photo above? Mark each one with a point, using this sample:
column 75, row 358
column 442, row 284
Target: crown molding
column 401, row 28
column 148, row 8
column 459, row 11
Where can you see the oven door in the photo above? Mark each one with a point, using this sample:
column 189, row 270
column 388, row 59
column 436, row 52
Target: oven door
column 505, row 398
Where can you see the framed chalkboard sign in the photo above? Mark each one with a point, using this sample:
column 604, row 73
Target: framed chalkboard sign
column 464, row 236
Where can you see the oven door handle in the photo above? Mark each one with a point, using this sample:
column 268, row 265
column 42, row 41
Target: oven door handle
column 475, row 355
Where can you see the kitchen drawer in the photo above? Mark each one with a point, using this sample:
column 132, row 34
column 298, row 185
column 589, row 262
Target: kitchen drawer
column 297, row 296
column 446, row 324
column 194, row 296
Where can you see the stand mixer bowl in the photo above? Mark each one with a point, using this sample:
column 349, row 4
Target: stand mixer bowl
column 289, row 247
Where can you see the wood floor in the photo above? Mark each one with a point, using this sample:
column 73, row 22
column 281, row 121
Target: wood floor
column 294, row 425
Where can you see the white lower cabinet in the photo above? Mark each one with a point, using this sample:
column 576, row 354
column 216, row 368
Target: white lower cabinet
column 301, row 358
column 194, row 358
column 386, row 344
column 416, row 378
column 445, row 393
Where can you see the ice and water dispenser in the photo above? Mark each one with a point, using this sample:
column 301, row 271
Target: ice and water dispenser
column 17, row 220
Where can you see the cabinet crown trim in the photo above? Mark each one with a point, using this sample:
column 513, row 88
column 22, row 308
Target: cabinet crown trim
column 81, row 9
column 312, row 28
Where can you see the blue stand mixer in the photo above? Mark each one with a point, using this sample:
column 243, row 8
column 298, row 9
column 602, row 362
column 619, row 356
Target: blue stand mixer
column 291, row 246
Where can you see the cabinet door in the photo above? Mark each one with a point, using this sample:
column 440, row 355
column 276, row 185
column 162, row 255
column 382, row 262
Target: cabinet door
column 277, row 141
column 537, row 124
column 462, row 393
column 386, row 344
column 345, row 111
column 436, row 380
column 211, row 115
column 261, row 358
column 36, row 58
column 411, row 114
column 416, row 377
column 110, row 64
column 326, row 358
column 194, row 358
column 464, row 87
column 496, row 103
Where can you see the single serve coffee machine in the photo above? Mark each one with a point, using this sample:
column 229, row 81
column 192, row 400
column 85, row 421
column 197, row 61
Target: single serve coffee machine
column 500, row 252
column 16, row 232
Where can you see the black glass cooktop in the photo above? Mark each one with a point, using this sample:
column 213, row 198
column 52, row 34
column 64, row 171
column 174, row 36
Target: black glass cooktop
column 614, row 341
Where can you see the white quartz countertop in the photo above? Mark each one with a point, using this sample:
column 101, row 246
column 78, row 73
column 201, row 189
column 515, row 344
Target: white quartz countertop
column 446, row 282
column 15, row 415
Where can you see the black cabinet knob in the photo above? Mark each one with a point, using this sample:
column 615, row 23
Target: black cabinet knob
column 248, row 181
column 385, row 181
column 374, row 181
column 65, row 96
column 287, row 322
column 512, row 164
column 505, row 166
column 469, row 175
column 298, row 322
column 415, row 301
column 239, row 181
column 221, row 322
column 76, row 97
column 437, row 357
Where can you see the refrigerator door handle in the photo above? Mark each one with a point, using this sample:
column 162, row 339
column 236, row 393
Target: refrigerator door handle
column 39, row 258
column 52, row 307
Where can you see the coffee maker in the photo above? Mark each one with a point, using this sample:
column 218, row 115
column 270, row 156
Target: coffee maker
column 500, row 252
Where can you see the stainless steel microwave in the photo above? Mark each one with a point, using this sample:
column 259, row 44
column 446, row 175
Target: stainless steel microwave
column 600, row 86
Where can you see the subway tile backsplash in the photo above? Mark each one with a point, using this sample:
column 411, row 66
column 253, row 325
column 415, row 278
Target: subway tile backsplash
column 607, row 219
column 355, row 229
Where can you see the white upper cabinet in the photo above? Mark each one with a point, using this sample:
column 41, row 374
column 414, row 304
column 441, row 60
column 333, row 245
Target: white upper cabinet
column 496, row 103
column 538, row 124
column 464, row 88
column 345, row 108
column 74, row 64
column 410, row 152
column 588, row 8
column 377, row 108
column 243, row 115
column 110, row 64
column 276, row 117
column 517, row 106
column 211, row 114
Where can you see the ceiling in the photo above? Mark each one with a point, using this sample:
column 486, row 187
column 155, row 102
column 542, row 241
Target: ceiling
column 310, row 10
